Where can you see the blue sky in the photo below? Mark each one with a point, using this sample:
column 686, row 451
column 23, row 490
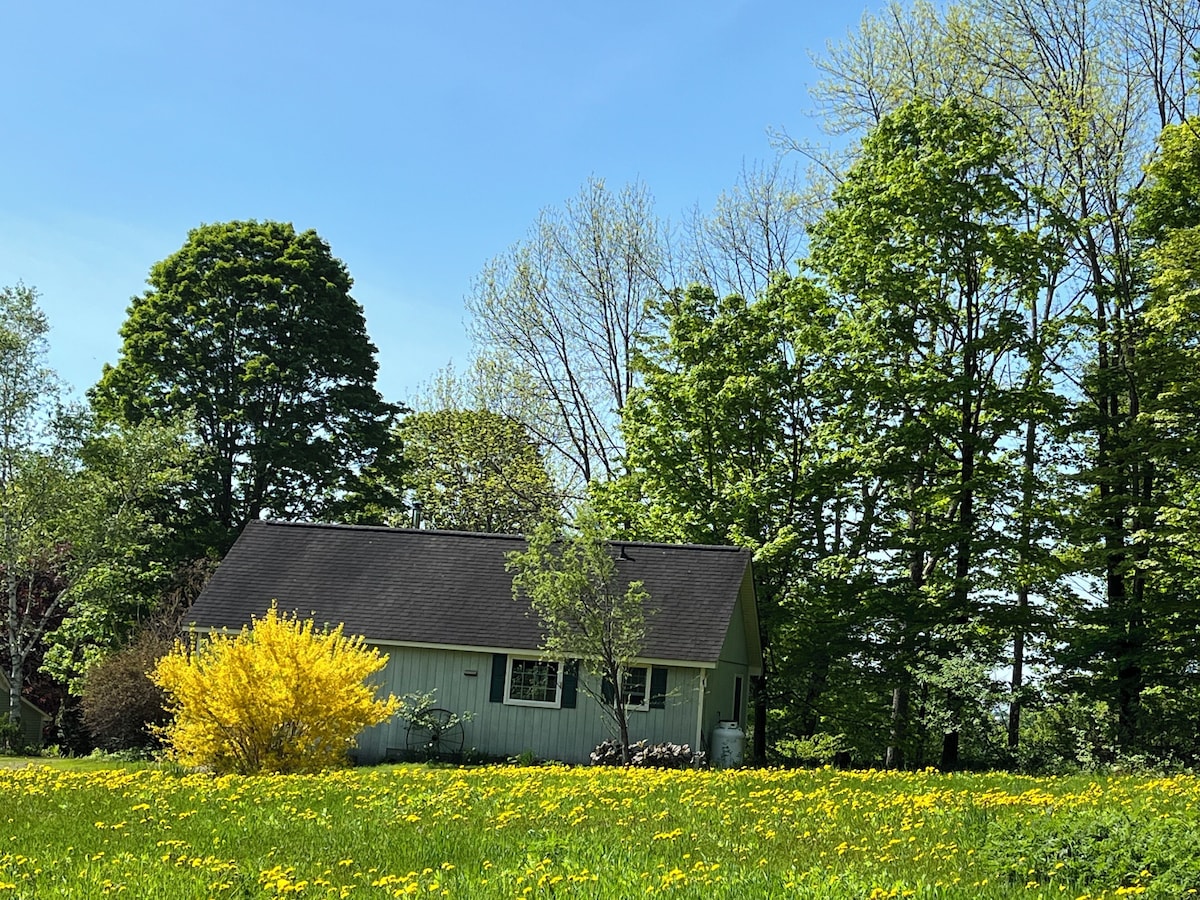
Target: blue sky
column 420, row 140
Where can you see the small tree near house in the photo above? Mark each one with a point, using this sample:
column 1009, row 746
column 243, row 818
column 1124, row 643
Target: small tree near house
column 572, row 581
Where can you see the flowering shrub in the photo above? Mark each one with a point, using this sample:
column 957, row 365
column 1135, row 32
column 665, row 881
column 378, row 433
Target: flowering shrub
column 647, row 756
column 279, row 697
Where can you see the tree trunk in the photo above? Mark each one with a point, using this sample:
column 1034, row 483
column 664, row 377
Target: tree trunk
column 16, row 652
column 894, row 759
column 16, row 677
column 759, row 749
column 623, row 730
column 898, row 738
column 1025, row 555
column 1018, row 670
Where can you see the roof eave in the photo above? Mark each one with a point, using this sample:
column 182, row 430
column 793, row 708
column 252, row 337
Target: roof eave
column 478, row 648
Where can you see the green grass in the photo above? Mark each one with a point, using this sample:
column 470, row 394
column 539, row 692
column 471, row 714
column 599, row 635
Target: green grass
column 555, row 832
column 73, row 763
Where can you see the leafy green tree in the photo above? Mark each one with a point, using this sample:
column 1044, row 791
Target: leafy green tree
column 250, row 328
column 98, row 495
column 1086, row 86
column 476, row 470
column 588, row 612
column 1146, row 646
column 27, row 391
column 724, row 447
column 71, row 508
column 926, row 248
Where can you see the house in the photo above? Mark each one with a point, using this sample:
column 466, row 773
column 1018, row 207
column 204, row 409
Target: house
column 33, row 719
column 440, row 604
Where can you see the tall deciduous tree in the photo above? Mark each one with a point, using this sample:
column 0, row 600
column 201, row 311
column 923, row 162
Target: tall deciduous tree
column 251, row 329
column 1086, row 85
column 926, row 248
column 587, row 611
column 1164, row 556
column 722, row 448
column 27, row 388
column 559, row 314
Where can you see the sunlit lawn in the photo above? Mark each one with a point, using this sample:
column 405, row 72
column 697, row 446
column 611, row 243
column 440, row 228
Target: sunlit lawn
column 556, row 832
column 73, row 764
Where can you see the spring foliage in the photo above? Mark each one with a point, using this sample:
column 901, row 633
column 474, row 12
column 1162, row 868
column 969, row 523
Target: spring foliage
column 281, row 696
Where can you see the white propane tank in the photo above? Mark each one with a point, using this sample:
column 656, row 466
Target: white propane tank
column 728, row 745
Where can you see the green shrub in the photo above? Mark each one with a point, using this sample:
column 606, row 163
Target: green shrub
column 11, row 739
column 817, row 750
column 122, row 707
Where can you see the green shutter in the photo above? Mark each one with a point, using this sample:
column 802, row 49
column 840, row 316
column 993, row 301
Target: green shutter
column 570, row 683
column 658, row 688
column 606, row 690
column 499, row 670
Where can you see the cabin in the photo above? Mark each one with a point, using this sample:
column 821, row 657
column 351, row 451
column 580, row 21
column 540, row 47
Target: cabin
column 440, row 604
column 33, row 719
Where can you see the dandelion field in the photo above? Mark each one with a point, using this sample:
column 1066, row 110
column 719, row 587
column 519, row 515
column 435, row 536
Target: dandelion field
column 596, row 833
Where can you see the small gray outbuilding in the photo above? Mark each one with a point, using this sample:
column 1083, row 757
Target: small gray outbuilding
column 33, row 719
column 440, row 604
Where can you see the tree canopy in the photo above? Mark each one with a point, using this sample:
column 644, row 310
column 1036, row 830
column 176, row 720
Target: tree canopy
column 476, row 470
column 76, row 544
column 250, row 328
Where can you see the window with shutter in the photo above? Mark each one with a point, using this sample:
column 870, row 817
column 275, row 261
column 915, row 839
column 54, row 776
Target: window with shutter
column 645, row 688
column 533, row 682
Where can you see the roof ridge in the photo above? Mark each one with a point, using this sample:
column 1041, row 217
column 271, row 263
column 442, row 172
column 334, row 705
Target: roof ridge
column 344, row 526
column 348, row 526
column 667, row 545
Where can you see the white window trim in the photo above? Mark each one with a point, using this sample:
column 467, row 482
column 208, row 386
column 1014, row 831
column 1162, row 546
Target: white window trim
column 644, row 706
column 558, row 681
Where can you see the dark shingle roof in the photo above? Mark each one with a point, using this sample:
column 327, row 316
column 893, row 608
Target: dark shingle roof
column 451, row 588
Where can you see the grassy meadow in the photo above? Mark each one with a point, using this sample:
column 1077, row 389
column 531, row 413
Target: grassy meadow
column 411, row 831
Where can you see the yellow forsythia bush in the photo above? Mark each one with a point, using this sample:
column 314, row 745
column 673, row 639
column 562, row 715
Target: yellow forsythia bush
column 281, row 696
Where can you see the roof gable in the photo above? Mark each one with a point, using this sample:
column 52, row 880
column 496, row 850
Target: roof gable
column 25, row 701
column 451, row 588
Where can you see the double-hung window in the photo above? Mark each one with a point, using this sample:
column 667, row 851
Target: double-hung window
column 635, row 687
column 533, row 682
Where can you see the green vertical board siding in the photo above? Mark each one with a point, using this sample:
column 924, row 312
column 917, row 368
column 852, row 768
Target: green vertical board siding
column 570, row 688
column 31, row 726
column 500, row 730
